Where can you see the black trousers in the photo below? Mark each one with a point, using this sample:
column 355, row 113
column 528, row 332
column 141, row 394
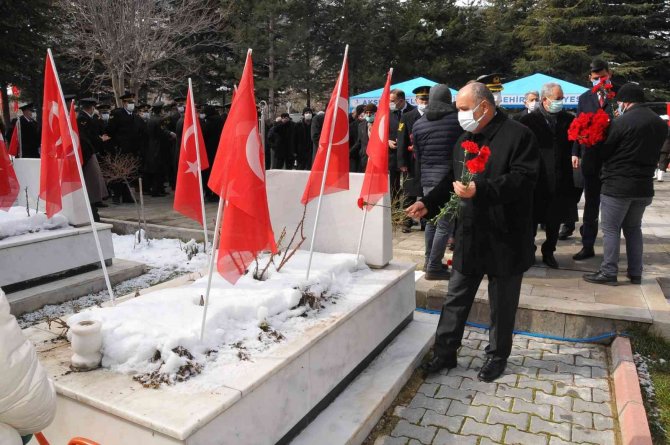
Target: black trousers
column 589, row 228
column 551, row 229
column 503, row 302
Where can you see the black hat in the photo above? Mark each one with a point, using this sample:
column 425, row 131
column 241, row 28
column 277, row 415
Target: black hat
column 157, row 106
column 69, row 96
column 423, row 90
column 360, row 109
column 630, row 92
column 143, row 106
column 306, row 110
column 492, row 82
column 372, row 108
column 88, row 102
column 104, row 107
column 127, row 96
column 27, row 105
column 599, row 65
column 440, row 99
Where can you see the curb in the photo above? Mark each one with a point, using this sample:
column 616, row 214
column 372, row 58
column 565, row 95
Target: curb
column 630, row 409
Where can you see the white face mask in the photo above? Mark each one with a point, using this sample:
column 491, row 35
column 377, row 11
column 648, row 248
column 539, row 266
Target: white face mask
column 105, row 116
column 130, row 107
column 392, row 106
column 421, row 107
column 555, row 106
column 146, row 116
column 308, row 116
column 202, row 115
column 467, row 119
column 532, row 105
column 180, row 108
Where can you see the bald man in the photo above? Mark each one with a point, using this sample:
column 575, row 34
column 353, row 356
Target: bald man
column 494, row 234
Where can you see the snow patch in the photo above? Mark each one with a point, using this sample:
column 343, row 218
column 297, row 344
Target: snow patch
column 16, row 221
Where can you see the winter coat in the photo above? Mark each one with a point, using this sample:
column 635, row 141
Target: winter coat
column 630, row 153
column 89, row 136
column 281, row 140
column 434, row 137
column 211, row 133
column 302, row 142
column 160, row 145
column 126, row 132
column 27, row 396
column 394, row 124
column 495, row 228
column 30, row 139
column 590, row 159
column 555, row 190
column 361, row 145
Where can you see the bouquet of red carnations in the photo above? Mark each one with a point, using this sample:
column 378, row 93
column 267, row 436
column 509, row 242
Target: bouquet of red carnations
column 589, row 129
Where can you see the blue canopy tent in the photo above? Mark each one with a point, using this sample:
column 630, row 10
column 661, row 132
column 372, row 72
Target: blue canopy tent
column 407, row 86
column 513, row 92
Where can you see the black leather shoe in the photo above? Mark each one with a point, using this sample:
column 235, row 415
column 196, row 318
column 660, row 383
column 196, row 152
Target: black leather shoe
column 492, row 369
column 437, row 364
column 565, row 233
column 586, row 252
column 549, row 260
column 635, row 280
column 437, row 276
column 600, row 278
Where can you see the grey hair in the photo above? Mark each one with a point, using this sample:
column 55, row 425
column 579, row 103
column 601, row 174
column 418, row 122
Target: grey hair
column 547, row 89
column 481, row 93
column 525, row 96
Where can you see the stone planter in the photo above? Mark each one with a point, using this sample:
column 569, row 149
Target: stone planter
column 86, row 344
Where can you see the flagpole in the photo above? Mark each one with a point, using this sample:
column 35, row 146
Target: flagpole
column 325, row 167
column 197, row 153
column 75, row 149
column 219, row 213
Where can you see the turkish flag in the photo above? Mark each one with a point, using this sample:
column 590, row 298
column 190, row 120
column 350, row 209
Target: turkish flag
column 667, row 111
column 69, row 177
column 9, row 184
column 187, row 199
column 376, row 182
column 238, row 177
column 14, row 142
column 56, row 141
column 334, row 136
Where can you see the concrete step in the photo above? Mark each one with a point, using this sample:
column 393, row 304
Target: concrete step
column 354, row 413
column 71, row 287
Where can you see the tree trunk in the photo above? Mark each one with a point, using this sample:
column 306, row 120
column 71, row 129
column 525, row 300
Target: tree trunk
column 5, row 105
column 271, row 65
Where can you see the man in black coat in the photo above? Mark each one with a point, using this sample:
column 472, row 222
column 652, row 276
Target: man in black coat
column 161, row 140
column 29, row 136
column 399, row 107
column 629, row 157
column 211, row 133
column 91, row 144
column 315, row 133
column 554, row 193
column 588, row 159
column 494, row 234
column 355, row 118
column 281, row 143
column 302, row 140
column 364, row 128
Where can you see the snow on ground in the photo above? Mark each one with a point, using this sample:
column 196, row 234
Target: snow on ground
column 242, row 320
column 17, row 222
column 164, row 258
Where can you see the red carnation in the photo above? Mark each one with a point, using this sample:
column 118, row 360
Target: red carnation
column 485, row 152
column 361, row 203
column 476, row 165
column 449, row 262
column 470, row 147
column 589, row 129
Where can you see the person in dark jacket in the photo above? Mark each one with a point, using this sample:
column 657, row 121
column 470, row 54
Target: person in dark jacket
column 399, row 107
column 364, row 128
column 588, row 159
column 355, row 119
column 434, row 137
column 406, row 160
column 161, row 141
column 29, row 136
column 554, row 193
column 629, row 157
column 281, row 143
column 91, row 143
column 302, row 139
column 211, row 133
column 315, row 133
column 494, row 234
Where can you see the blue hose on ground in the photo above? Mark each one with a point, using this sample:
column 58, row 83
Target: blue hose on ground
column 536, row 335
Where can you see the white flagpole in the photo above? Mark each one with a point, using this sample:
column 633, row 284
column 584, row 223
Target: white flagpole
column 212, row 260
column 325, row 167
column 75, row 148
column 197, row 152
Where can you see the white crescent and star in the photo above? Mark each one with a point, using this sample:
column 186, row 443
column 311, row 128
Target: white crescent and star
column 192, row 168
column 342, row 104
column 253, row 151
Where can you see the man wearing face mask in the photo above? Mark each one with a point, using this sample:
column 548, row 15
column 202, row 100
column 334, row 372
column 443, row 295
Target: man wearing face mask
column 302, row 139
column 406, row 158
column 629, row 156
column 281, row 143
column 494, row 83
column 364, row 128
column 494, row 233
column 554, row 192
column 176, row 125
column 355, row 118
column 588, row 159
column 29, row 132
column 399, row 107
column 530, row 102
column 161, row 140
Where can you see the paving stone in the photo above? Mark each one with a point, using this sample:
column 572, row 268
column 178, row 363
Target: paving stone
column 600, row 396
column 599, row 373
column 463, row 369
column 519, row 420
column 414, row 442
column 523, row 370
column 493, row 432
column 599, row 408
column 487, row 441
column 444, row 437
column 516, row 437
column 482, row 399
column 584, row 371
column 462, row 395
column 599, row 383
column 476, row 385
column 603, row 423
column 412, row 415
column 478, row 335
column 453, row 381
column 520, row 342
column 561, row 430
column 388, row 440
column 521, row 406
column 429, row 389
column 469, row 352
column 545, row 374
column 476, row 412
column 553, row 440
column 451, row 423
column 582, row 419
column 582, row 361
column 420, row 400
column 424, row 434
column 573, row 391
column 545, row 346
column 471, row 343
column 564, row 358
column 542, row 364
column 546, row 399
column 604, row 437
column 572, row 350
column 476, row 363
column 508, row 378
column 543, row 385
column 517, row 393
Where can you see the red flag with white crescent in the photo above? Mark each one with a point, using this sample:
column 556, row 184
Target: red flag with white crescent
column 334, row 135
column 187, row 199
column 9, row 184
column 238, row 177
column 375, row 182
column 14, row 141
column 69, row 177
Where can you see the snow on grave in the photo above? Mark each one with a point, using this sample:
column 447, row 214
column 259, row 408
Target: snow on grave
column 16, row 221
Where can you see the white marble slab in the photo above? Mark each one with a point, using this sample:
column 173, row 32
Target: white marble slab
column 256, row 406
column 340, row 219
